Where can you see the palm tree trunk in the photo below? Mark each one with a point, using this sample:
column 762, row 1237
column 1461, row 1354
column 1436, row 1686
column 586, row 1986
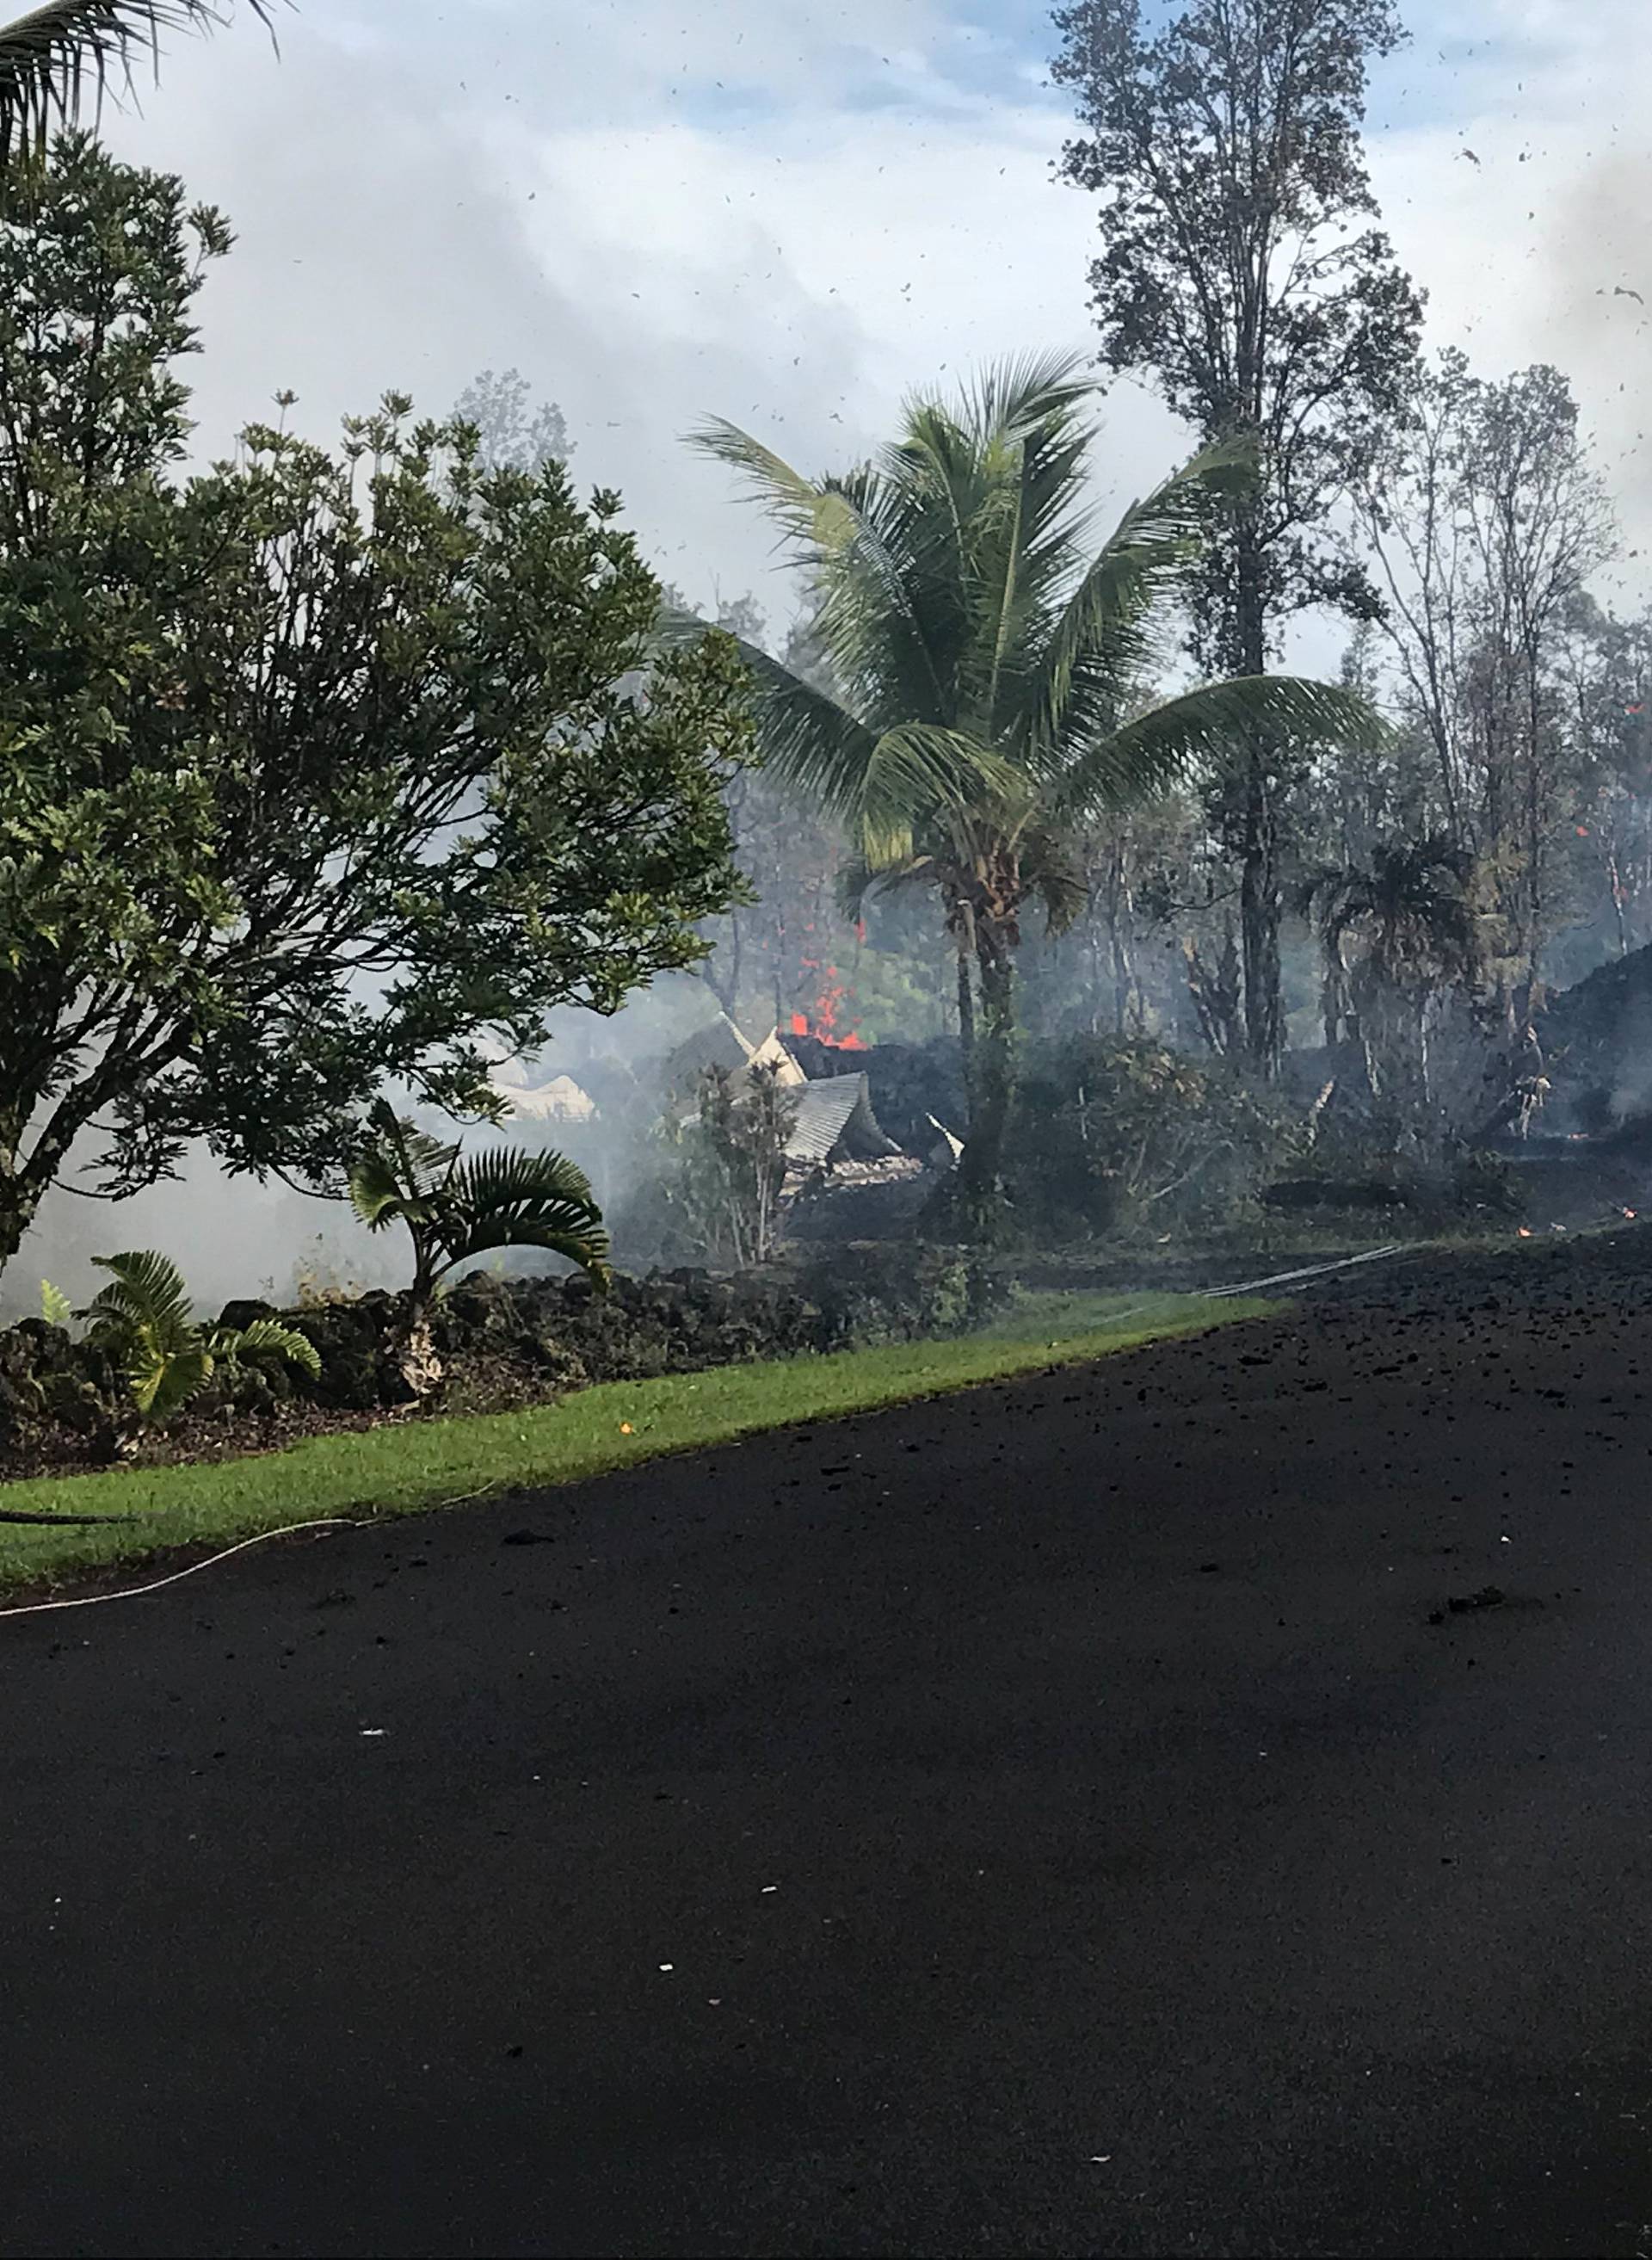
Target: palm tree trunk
column 981, row 1169
column 1391, row 1032
column 419, row 1363
column 966, row 1021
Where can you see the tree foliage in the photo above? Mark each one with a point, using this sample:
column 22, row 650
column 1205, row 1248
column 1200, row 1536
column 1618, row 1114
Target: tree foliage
column 57, row 59
column 455, row 1207
column 716, row 1194
column 1121, row 1133
column 1398, row 932
column 1243, row 274
column 1486, row 519
column 984, row 652
column 319, row 766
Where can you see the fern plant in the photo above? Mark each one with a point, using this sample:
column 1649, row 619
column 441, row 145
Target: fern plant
column 146, row 1321
column 455, row 1209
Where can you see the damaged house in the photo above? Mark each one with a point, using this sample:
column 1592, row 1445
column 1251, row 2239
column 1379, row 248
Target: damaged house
column 834, row 1130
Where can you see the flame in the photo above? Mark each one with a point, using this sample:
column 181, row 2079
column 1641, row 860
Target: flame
column 823, row 1022
column 1526, row 1232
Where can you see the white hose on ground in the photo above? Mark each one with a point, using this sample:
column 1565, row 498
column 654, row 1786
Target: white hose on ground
column 1312, row 1271
column 132, row 1593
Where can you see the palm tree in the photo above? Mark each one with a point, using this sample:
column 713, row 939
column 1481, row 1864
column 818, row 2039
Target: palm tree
column 1395, row 932
column 984, row 653
column 57, row 55
column 455, row 1209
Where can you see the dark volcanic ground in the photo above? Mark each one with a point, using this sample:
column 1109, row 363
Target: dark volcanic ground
column 1050, row 1821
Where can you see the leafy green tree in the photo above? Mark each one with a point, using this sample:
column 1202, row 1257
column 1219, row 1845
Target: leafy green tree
column 1241, row 273
column 456, row 1208
column 986, row 652
column 318, row 768
column 145, row 1319
column 53, row 57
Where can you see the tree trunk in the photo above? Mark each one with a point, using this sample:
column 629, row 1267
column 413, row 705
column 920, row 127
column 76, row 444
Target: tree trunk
column 1259, row 928
column 417, row 1360
column 1259, row 893
column 981, row 1169
column 1392, row 1036
column 966, row 1026
column 1615, row 876
column 726, row 986
column 18, row 1206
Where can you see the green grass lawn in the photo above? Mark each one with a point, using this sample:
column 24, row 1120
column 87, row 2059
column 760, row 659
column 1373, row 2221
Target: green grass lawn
column 406, row 1465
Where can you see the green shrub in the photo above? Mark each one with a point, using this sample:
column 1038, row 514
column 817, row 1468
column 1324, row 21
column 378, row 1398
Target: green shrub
column 144, row 1322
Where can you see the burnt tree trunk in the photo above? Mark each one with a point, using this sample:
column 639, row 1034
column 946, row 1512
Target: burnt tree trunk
column 966, row 1025
column 1260, row 904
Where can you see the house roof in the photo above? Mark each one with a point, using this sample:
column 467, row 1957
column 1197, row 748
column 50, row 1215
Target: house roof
column 772, row 1053
column 830, row 1112
column 720, row 1043
column 560, row 1100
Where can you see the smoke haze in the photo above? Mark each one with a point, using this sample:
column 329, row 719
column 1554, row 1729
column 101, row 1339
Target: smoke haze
column 788, row 216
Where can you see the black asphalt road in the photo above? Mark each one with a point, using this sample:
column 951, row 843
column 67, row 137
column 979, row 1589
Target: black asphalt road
column 1044, row 1822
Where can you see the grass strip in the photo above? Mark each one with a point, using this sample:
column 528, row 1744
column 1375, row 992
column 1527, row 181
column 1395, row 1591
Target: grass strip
column 405, row 1466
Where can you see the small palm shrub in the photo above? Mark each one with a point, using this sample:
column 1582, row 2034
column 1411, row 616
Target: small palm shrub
column 456, row 1209
column 145, row 1321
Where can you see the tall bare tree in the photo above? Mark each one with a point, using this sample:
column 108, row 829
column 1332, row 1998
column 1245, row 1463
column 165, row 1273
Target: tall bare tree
column 1240, row 274
column 1486, row 519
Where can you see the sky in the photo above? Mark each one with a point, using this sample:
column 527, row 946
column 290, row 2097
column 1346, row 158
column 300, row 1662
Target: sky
column 791, row 215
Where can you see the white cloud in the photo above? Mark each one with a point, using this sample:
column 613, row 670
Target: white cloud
column 550, row 201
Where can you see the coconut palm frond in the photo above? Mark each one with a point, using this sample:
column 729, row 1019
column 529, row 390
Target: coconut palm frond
column 917, row 772
column 58, row 59
column 880, row 866
column 1203, row 728
column 1103, row 642
column 808, row 738
column 810, row 513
